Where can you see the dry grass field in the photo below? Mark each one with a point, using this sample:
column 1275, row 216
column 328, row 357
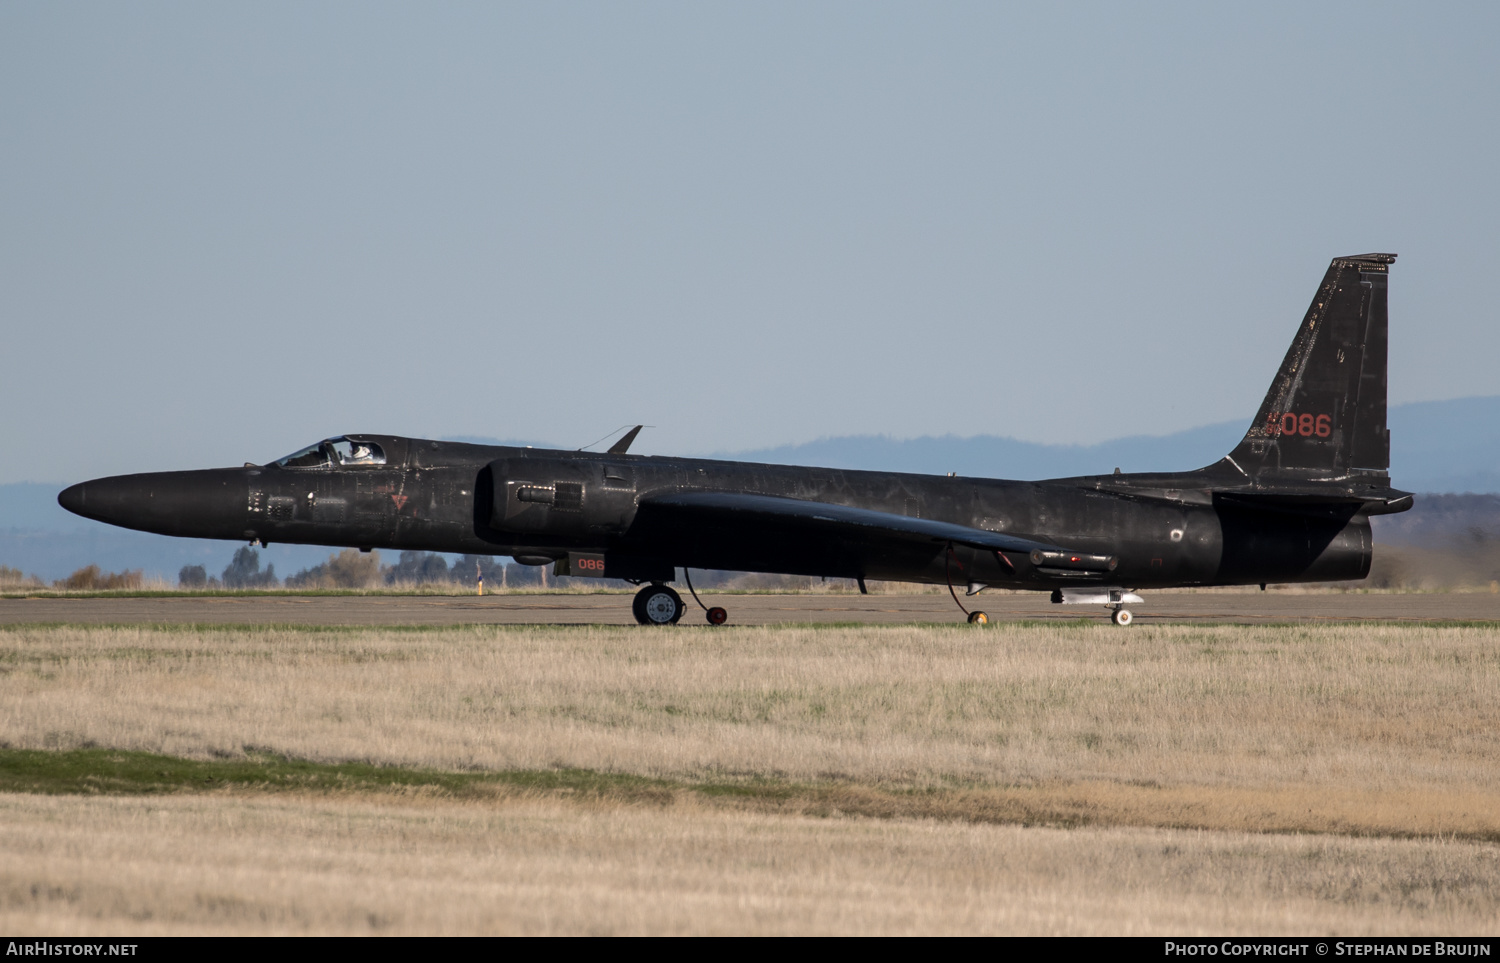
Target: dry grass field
column 1387, row 708
column 922, row 777
column 208, row 864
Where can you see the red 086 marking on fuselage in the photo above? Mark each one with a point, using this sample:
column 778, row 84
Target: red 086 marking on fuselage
column 1306, row 425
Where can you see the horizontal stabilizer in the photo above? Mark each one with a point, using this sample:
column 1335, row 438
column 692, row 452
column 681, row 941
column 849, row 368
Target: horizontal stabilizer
column 1387, row 502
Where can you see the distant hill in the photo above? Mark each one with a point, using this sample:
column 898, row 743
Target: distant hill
column 1443, row 521
column 989, row 456
column 1447, row 446
column 1436, row 446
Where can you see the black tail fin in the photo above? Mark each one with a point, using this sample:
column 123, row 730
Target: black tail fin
column 1324, row 417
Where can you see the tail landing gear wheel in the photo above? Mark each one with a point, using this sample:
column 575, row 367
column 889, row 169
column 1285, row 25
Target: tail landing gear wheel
column 717, row 616
column 1121, row 616
column 657, row 605
column 978, row 618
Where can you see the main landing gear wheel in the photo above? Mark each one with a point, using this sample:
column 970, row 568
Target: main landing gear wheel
column 717, row 616
column 977, row 617
column 657, row 605
column 1121, row 616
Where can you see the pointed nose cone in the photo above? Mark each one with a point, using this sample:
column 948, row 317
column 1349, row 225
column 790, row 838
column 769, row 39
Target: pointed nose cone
column 202, row 504
column 116, row 500
column 75, row 499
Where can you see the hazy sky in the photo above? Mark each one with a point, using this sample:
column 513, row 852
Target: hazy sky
column 227, row 230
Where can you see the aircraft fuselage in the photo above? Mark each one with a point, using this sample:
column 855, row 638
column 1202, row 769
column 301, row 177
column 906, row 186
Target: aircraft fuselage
column 1164, row 530
column 1290, row 503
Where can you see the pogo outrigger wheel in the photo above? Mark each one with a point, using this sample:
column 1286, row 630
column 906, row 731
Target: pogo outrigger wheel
column 715, row 615
column 976, row 617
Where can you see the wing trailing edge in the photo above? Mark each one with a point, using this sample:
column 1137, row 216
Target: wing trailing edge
column 824, row 518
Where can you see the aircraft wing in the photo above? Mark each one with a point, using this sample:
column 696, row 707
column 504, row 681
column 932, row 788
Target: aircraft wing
column 741, row 511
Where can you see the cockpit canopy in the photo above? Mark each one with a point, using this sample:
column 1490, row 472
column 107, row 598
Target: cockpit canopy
column 331, row 452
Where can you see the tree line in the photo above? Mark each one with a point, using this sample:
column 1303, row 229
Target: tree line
column 351, row 568
column 86, row 579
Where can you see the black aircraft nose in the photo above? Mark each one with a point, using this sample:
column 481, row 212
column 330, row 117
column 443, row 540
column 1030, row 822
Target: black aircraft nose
column 119, row 500
column 202, row 504
column 74, row 498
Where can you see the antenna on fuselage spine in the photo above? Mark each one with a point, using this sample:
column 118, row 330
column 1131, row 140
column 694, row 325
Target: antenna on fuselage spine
column 623, row 445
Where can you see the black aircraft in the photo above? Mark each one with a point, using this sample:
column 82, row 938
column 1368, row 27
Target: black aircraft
column 1291, row 503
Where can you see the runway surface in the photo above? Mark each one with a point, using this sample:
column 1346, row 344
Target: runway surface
column 569, row 609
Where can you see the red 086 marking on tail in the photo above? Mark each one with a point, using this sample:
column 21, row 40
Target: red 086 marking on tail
column 1306, row 425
